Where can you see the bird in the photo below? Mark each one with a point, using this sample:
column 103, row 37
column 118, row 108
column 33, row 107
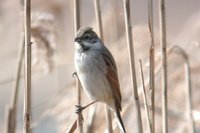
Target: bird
column 97, row 72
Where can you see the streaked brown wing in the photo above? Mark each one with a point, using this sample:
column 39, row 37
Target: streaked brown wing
column 112, row 77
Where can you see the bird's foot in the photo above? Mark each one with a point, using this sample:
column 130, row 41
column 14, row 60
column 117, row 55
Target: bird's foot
column 79, row 109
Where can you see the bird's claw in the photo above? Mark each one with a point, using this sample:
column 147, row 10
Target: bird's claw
column 78, row 108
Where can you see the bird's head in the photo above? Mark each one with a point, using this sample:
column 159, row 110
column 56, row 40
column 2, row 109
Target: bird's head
column 86, row 39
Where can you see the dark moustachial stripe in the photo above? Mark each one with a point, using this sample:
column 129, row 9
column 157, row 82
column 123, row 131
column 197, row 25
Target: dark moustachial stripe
column 84, row 48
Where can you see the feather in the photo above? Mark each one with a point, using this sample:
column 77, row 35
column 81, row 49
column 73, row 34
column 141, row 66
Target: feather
column 112, row 78
column 120, row 122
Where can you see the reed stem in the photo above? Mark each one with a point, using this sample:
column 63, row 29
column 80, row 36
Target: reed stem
column 164, row 64
column 145, row 98
column 188, row 87
column 27, row 92
column 152, row 64
column 136, row 101
column 12, row 108
column 76, row 27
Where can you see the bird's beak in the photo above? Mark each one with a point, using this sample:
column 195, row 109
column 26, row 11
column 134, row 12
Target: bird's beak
column 77, row 39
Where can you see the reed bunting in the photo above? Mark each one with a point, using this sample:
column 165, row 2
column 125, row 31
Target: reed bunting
column 97, row 72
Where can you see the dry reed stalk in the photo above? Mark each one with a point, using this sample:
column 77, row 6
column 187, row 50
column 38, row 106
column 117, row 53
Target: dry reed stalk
column 76, row 27
column 98, row 18
column 188, row 87
column 108, row 119
column 27, row 91
column 72, row 128
column 127, row 17
column 152, row 87
column 80, row 117
column 152, row 64
column 145, row 98
column 189, row 97
column 10, row 121
column 100, row 29
column 164, row 64
column 12, row 108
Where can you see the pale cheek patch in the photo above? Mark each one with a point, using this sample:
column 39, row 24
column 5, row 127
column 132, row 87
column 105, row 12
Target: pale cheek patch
column 77, row 45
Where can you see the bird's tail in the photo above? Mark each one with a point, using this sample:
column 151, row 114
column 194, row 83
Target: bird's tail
column 120, row 122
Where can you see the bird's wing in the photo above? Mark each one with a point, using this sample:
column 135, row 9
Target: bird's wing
column 112, row 77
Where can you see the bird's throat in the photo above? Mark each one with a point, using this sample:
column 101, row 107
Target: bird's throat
column 84, row 48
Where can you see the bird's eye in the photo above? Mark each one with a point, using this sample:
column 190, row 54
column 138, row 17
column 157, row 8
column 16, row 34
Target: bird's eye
column 87, row 37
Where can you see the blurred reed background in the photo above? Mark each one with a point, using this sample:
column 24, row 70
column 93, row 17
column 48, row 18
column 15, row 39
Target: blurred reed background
column 53, row 87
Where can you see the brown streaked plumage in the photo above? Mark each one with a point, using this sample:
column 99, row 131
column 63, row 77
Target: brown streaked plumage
column 112, row 78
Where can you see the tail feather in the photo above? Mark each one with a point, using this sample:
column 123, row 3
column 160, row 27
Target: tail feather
column 120, row 122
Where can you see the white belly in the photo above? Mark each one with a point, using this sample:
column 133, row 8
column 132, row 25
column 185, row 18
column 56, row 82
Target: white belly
column 91, row 75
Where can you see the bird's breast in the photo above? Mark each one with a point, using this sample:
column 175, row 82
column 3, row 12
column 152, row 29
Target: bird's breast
column 91, row 71
column 89, row 62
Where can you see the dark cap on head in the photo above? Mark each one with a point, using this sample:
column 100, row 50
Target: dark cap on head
column 86, row 34
column 82, row 30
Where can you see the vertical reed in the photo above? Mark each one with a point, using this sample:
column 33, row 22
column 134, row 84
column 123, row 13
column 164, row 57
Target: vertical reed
column 151, row 59
column 80, row 117
column 12, row 108
column 109, row 119
column 127, row 17
column 164, row 64
column 27, row 92
column 189, row 96
column 76, row 27
column 10, row 121
column 98, row 18
column 152, row 87
column 145, row 98
column 188, row 87
column 72, row 127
